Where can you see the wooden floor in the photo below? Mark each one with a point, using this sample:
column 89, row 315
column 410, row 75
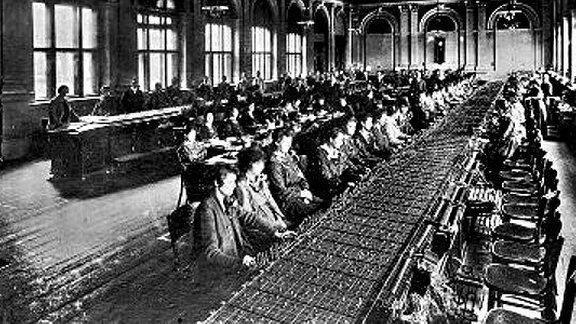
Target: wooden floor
column 100, row 254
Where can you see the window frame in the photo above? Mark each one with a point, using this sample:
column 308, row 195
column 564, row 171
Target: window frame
column 295, row 54
column 267, row 54
column 210, row 54
column 168, row 20
column 51, row 50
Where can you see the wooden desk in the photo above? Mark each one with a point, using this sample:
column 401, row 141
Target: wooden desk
column 96, row 144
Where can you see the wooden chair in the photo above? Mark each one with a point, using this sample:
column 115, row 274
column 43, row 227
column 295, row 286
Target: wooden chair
column 179, row 224
column 535, row 289
column 503, row 316
column 528, row 254
column 531, row 230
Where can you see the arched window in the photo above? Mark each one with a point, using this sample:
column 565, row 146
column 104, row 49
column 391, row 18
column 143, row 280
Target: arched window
column 218, row 51
column 262, row 40
column 512, row 19
column 437, row 29
column 158, row 48
column 295, row 43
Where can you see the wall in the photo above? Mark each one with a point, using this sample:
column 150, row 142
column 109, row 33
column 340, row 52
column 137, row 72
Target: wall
column 379, row 51
column 472, row 46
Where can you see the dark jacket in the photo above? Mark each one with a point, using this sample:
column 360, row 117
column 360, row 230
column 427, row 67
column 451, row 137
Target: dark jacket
column 132, row 101
column 286, row 178
column 218, row 233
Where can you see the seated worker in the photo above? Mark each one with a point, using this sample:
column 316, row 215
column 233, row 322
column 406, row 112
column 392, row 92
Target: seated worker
column 158, row 98
column 217, row 226
column 255, row 197
column 367, row 148
column 332, row 174
column 379, row 133
column 395, row 136
column 191, row 151
column 207, row 131
column 287, row 182
column 230, row 127
column 247, row 120
column 107, row 105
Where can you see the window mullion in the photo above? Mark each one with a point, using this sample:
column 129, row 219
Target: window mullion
column 51, row 53
column 79, row 80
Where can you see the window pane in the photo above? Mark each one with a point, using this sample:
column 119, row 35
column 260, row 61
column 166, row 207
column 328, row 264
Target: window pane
column 216, row 69
column 65, row 71
column 172, row 68
column 157, row 69
column 90, row 86
column 40, row 75
column 227, row 65
column 66, row 29
column 172, row 40
column 140, row 18
column 154, row 20
column 141, row 35
column 216, row 37
column 141, row 70
column 170, row 4
column 41, row 28
column 207, row 37
column 88, row 28
column 227, row 38
column 156, row 39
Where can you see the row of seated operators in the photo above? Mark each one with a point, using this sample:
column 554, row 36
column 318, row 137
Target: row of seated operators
column 288, row 176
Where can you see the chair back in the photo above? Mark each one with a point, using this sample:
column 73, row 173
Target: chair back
column 179, row 222
column 551, row 257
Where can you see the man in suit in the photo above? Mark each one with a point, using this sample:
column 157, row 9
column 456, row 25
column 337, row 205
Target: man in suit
column 133, row 98
column 218, row 236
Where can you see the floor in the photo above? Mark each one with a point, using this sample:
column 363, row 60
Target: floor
column 101, row 254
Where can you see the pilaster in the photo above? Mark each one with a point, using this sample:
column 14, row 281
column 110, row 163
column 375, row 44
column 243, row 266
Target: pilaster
column 485, row 55
column 414, row 37
column 404, row 36
column 470, row 37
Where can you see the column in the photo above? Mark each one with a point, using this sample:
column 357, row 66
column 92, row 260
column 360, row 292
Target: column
column 547, row 35
column 107, row 37
column 309, row 35
column 414, row 36
column 470, row 37
column 188, row 38
column 280, row 51
column 196, row 69
column 19, row 120
column 484, row 53
column 573, row 45
column 349, row 41
column 127, row 55
column 332, row 38
column 404, row 40
column 244, row 36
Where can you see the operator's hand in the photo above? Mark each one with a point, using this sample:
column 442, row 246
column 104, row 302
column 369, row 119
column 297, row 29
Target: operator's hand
column 248, row 261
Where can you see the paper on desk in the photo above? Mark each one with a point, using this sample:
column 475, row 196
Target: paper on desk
column 220, row 159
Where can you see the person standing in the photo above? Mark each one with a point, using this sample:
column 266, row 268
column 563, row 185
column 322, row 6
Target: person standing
column 59, row 112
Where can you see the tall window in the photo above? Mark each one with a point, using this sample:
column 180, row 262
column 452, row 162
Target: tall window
column 65, row 49
column 158, row 55
column 295, row 45
column 262, row 52
column 218, row 52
